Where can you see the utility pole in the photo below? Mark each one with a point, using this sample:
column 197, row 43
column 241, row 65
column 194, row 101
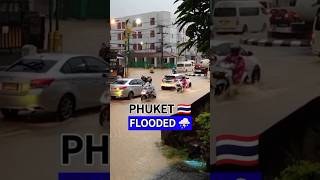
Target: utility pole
column 162, row 43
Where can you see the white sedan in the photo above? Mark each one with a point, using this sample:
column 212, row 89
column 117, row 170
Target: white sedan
column 221, row 49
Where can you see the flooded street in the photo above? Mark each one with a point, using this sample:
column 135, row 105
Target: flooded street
column 290, row 79
column 134, row 154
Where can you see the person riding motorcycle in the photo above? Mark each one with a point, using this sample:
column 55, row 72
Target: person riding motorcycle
column 184, row 82
column 237, row 64
column 149, row 87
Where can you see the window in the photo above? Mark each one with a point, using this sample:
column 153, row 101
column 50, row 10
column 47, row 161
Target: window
column 249, row 11
column 134, row 46
column 188, row 65
column 225, row 12
column 77, row 65
column 119, row 36
column 152, row 21
column 139, row 35
column 32, row 65
column 133, row 82
column 139, row 47
column 292, row 3
column 123, row 25
column 134, row 35
column 66, row 68
column 140, row 82
column 317, row 25
column 119, row 25
column 152, row 46
column 152, row 33
column 119, row 45
column 95, row 65
column 120, row 82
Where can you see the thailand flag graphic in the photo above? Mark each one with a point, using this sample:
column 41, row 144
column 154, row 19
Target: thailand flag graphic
column 184, row 109
column 237, row 150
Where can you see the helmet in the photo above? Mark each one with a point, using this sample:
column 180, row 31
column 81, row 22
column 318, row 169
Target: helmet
column 235, row 50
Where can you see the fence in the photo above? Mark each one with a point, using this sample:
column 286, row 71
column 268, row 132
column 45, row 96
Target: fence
column 11, row 37
column 148, row 65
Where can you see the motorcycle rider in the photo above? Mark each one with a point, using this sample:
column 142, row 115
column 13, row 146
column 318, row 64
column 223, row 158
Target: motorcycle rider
column 149, row 87
column 184, row 82
column 237, row 64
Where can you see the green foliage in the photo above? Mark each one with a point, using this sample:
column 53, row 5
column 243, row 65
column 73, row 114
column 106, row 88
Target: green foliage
column 170, row 152
column 195, row 15
column 303, row 170
column 203, row 128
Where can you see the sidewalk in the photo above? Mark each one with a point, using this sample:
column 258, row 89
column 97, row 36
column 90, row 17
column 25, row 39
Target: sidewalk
column 275, row 42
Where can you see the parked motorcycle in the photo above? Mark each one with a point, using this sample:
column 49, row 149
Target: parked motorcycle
column 147, row 95
column 104, row 116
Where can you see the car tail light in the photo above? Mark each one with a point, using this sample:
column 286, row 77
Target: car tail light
column 123, row 87
column 40, row 83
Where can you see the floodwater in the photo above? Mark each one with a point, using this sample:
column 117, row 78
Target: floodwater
column 134, row 154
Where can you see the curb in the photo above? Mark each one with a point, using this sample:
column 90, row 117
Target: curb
column 2, row 68
column 202, row 75
column 270, row 43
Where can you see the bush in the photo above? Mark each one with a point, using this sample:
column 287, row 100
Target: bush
column 203, row 128
column 302, row 170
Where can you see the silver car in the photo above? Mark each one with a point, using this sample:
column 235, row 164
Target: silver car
column 60, row 83
column 126, row 88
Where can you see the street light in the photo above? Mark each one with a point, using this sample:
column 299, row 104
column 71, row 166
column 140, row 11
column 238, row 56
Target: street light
column 113, row 21
column 138, row 21
column 128, row 32
column 141, row 43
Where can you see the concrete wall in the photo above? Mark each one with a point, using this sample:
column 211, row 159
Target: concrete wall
column 83, row 36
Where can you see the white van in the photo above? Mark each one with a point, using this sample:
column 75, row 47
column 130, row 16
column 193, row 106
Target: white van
column 185, row 66
column 240, row 16
column 315, row 42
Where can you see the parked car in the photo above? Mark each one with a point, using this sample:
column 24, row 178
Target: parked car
column 169, row 81
column 240, row 16
column 221, row 49
column 126, row 88
column 60, row 83
column 184, row 66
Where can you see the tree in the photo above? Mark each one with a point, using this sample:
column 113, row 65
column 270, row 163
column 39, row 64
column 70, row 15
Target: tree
column 195, row 16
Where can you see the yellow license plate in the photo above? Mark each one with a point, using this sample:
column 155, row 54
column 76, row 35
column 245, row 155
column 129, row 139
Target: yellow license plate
column 10, row 86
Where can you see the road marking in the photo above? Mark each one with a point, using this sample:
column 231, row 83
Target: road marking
column 6, row 132
column 296, row 43
column 277, row 42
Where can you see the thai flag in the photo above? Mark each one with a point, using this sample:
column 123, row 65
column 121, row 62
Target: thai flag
column 237, row 150
column 184, row 109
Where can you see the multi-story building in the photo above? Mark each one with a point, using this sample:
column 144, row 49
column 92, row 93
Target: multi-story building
column 148, row 31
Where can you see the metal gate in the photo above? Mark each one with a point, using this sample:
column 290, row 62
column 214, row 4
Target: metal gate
column 19, row 26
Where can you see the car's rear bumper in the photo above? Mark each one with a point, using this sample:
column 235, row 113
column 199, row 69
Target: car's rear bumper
column 119, row 94
column 26, row 102
column 168, row 85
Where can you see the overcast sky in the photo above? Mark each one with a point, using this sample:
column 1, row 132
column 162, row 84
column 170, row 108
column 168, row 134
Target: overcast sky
column 121, row 8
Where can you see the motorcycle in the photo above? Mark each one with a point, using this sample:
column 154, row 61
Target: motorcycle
column 179, row 87
column 147, row 95
column 104, row 115
column 222, row 75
